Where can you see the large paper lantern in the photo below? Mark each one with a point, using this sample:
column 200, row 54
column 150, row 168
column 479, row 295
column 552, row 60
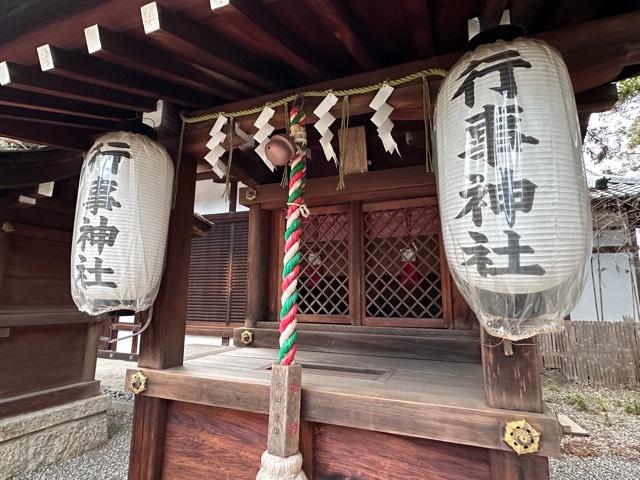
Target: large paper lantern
column 121, row 224
column 514, row 206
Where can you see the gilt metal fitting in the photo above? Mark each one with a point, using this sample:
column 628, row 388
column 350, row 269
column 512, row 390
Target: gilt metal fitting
column 246, row 337
column 522, row 437
column 138, row 382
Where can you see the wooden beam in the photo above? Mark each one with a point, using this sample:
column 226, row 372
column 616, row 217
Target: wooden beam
column 125, row 50
column 32, row 79
column 203, row 46
column 55, row 118
column 68, row 138
column 86, row 68
column 291, row 49
column 258, row 266
column 31, row 167
column 383, row 184
column 52, row 103
column 334, row 15
column 439, row 418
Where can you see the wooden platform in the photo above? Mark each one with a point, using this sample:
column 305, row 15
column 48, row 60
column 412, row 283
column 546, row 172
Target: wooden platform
column 427, row 399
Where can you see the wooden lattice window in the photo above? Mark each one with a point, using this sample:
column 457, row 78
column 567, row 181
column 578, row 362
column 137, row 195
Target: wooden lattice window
column 377, row 264
column 403, row 271
column 324, row 277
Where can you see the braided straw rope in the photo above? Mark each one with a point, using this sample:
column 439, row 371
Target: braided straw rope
column 430, row 72
column 292, row 255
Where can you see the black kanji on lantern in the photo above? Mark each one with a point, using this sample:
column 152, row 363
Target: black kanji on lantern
column 494, row 134
column 504, row 63
column 99, row 235
column 475, row 195
column 97, row 271
column 100, row 195
column 480, row 256
column 508, row 196
column 116, row 155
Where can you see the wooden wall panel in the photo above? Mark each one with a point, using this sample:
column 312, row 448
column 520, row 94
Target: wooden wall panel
column 37, row 358
column 203, row 443
column 37, row 268
column 343, row 453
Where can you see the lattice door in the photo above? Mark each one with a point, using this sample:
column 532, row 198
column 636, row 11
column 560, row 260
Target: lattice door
column 402, row 264
column 324, row 277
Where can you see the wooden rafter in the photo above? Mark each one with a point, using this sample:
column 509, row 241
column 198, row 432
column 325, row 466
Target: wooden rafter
column 54, row 118
column 205, row 47
column 77, row 66
column 577, row 43
column 66, row 137
column 291, row 50
column 419, row 19
column 335, row 17
column 122, row 49
column 49, row 103
column 32, row 79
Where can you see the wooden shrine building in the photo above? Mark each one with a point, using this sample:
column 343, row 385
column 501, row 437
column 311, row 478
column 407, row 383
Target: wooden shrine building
column 399, row 382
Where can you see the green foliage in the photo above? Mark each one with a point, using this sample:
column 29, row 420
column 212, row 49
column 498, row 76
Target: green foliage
column 633, row 408
column 628, row 89
column 613, row 140
column 579, row 401
column 586, row 403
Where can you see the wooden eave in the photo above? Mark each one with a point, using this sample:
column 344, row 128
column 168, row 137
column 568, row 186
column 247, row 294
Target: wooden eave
column 73, row 69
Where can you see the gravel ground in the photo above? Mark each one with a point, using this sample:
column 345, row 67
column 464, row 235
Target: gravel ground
column 611, row 416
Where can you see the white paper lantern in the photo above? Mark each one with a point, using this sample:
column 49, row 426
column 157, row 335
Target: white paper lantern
column 513, row 200
column 121, row 224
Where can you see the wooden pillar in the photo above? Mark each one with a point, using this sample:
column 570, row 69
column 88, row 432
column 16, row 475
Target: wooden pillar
column 513, row 383
column 147, row 438
column 258, row 266
column 162, row 344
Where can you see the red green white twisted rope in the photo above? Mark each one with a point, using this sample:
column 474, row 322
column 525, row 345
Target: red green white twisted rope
column 292, row 256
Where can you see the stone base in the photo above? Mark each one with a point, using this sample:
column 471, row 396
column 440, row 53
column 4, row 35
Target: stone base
column 37, row 439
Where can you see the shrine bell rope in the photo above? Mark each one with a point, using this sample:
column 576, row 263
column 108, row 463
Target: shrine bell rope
column 422, row 74
column 293, row 231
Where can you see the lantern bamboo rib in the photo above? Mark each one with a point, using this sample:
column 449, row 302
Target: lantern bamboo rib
column 422, row 74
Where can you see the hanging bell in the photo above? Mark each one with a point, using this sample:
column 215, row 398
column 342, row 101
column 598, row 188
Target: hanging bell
column 280, row 150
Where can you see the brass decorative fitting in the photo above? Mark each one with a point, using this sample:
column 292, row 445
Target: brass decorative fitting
column 251, row 193
column 138, row 382
column 246, row 337
column 522, row 437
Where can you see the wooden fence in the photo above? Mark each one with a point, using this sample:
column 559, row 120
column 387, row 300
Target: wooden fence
column 601, row 353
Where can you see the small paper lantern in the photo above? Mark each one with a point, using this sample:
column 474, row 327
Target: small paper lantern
column 121, row 224
column 514, row 206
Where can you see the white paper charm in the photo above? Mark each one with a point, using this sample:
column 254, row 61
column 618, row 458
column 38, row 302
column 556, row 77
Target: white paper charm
column 216, row 150
column 381, row 118
column 325, row 120
column 262, row 135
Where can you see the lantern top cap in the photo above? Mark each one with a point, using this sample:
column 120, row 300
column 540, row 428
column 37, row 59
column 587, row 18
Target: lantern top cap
column 499, row 32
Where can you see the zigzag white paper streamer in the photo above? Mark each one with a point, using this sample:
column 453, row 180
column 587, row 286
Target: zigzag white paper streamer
column 325, row 119
column 262, row 135
column 215, row 146
column 381, row 118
